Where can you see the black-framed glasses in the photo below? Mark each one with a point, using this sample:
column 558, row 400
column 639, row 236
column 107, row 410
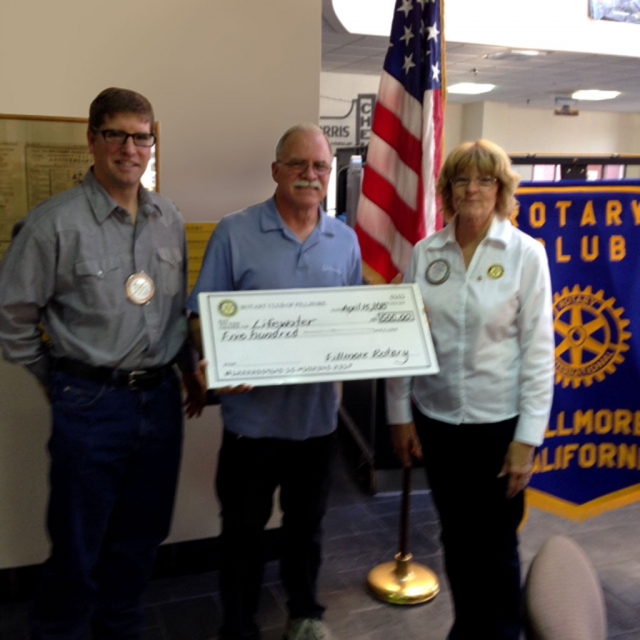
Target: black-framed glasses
column 484, row 182
column 113, row 136
column 300, row 166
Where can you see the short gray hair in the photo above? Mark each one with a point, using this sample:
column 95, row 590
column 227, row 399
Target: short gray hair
column 298, row 128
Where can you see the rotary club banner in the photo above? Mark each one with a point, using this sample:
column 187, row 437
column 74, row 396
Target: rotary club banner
column 589, row 462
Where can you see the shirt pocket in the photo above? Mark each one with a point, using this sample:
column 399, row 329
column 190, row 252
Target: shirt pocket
column 170, row 270
column 101, row 281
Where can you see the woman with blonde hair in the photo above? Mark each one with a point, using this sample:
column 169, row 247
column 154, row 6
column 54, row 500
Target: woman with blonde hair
column 487, row 289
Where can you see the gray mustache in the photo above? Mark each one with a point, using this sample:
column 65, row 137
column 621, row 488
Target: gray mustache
column 314, row 184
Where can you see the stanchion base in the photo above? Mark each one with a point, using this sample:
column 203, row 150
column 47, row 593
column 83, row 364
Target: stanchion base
column 403, row 582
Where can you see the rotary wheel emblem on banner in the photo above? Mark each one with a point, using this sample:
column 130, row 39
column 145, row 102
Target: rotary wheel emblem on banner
column 592, row 336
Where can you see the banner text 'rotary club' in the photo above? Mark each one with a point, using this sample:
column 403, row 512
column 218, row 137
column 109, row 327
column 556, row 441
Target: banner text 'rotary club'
column 585, row 216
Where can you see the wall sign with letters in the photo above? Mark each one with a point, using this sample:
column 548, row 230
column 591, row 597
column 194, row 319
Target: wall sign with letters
column 353, row 128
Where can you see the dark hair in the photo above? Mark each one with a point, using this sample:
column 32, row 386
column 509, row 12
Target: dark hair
column 113, row 100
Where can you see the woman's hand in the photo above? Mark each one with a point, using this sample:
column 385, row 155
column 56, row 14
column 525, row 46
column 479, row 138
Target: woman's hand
column 406, row 443
column 518, row 465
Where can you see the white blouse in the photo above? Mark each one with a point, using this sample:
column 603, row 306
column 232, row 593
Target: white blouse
column 492, row 327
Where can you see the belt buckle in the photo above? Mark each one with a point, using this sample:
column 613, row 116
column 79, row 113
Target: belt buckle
column 132, row 379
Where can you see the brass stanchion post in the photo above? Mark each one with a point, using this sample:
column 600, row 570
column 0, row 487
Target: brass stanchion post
column 403, row 581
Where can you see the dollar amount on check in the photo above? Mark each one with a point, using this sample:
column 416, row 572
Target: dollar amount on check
column 293, row 336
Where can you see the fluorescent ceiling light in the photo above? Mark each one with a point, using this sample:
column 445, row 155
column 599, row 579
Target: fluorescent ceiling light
column 367, row 17
column 594, row 94
column 515, row 54
column 470, row 88
column 527, row 52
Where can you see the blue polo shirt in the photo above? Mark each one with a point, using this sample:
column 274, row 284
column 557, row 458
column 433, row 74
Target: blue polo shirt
column 254, row 249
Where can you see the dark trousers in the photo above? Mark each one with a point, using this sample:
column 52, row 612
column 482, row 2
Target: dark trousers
column 114, row 462
column 249, row 471
column 479, row 525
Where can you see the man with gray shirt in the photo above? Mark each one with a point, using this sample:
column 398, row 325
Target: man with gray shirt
column 103, row 268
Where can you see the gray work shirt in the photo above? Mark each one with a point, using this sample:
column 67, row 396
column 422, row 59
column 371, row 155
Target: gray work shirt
column 67, row 269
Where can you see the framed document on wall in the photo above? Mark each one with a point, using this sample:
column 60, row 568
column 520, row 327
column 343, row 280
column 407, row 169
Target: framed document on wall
column 42, row 156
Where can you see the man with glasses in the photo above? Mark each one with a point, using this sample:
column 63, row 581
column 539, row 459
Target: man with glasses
column 103, row 268
column 279, row 435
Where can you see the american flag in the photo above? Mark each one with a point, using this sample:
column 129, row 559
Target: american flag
column 398, row 203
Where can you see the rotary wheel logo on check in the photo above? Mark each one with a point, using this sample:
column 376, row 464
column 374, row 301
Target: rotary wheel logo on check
column 228, row 308
column 592, row 336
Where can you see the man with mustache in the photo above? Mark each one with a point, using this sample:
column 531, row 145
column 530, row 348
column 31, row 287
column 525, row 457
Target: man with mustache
column 280, row 435
column 103, row 268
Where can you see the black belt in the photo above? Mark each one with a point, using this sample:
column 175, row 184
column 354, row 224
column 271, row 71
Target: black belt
column 140, row 380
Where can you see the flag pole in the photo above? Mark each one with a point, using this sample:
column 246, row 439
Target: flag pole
column 398, row 208
column 403, row 582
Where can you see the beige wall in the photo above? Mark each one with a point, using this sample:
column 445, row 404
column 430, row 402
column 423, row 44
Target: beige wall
column 225, row 78
column 520, row 130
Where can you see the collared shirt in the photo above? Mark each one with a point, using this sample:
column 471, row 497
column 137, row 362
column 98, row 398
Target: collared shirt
column 68, row 268
column 254, row 249
column 492, row 329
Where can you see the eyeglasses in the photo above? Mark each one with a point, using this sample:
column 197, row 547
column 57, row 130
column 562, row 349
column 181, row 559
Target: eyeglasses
column 112, row 136
column 301, row 166
column 484, row 182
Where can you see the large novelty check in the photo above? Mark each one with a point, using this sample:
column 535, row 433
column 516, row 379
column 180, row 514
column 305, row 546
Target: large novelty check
column 292, row 336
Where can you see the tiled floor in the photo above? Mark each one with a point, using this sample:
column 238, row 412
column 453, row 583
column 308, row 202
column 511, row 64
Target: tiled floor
column 362, row 532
